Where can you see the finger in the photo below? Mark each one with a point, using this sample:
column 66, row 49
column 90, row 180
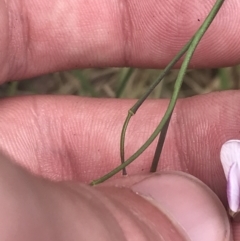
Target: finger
column 42, row 204
column 42, row 36
column 52, row 211
column 236, row 231
column 78, row 138
column 185, row 199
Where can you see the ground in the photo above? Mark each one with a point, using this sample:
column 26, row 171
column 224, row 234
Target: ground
column 124, row 83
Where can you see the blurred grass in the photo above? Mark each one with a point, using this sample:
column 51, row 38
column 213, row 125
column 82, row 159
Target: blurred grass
column 124, row 83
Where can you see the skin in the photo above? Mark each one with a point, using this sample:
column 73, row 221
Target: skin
column 59, row 138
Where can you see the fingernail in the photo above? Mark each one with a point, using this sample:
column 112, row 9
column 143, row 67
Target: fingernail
column 189, row 203
column 230, row 159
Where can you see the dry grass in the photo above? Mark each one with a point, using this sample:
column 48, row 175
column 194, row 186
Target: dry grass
column 109, row 83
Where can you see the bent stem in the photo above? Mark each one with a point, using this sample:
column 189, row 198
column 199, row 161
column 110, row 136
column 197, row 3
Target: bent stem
column 136, row 106
column 193, row 44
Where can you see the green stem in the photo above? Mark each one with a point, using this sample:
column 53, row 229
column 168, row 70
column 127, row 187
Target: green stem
column 136, row 106
column 130, row 114
column 197, row 37
column 160, row 144
column 125, row 76
column 12, row 89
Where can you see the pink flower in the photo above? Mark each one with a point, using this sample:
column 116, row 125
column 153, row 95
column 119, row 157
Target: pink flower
column 230, row 158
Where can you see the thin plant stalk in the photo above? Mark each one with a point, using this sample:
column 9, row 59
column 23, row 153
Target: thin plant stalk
column 223, row 76
column 12, row 89
column 193, row 45
column 160, row 144
column 125, row 76
column 136, row 106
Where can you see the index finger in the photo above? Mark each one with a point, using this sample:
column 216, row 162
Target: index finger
column 46, row 36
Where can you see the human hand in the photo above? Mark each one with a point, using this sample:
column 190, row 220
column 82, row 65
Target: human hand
column 71, row 138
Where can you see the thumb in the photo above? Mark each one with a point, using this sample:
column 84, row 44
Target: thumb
column 166, row 206
column 192, row 208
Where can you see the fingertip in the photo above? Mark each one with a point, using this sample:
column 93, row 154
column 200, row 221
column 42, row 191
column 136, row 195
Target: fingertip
column 189, row 203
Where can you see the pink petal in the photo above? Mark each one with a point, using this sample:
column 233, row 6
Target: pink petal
column 230, row 159
column 230, row 153
column 233, row 188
